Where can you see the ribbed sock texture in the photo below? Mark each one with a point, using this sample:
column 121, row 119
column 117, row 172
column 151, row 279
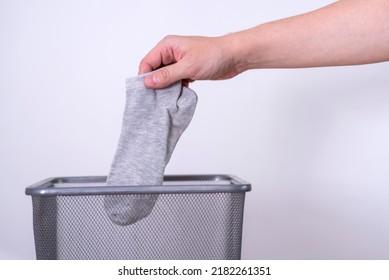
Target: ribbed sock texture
column 153, row 122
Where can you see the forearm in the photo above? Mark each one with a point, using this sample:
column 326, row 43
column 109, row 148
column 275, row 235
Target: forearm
column 347, row 32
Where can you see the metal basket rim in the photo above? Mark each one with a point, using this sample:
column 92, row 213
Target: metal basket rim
column 47, row 187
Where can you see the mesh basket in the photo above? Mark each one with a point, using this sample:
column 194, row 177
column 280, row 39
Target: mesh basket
column 195, row 217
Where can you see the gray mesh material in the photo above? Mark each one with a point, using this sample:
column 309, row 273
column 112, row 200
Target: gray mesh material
column 181, row 226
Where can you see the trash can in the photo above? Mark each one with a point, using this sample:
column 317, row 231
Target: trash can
column 195, row 217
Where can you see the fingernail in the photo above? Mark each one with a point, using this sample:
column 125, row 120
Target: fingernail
column 155, row 79
column 150, row 81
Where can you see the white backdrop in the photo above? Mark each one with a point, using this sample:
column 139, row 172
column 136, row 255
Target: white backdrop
column 313, row 142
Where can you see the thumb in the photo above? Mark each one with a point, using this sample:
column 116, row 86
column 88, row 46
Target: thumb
column 163, row 77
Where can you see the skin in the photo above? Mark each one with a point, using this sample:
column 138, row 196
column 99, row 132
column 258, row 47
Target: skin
column 347, row 32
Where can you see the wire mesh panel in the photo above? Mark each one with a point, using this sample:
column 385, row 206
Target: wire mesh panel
column 198, row 224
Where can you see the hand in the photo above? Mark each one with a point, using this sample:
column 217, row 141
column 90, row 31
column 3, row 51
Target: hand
column 323, row 37
column 189, row 59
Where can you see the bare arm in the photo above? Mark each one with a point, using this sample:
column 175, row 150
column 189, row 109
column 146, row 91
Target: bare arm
column 347, row 32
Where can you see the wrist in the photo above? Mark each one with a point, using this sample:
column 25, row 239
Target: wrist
column 252, row 48
column 242, row 50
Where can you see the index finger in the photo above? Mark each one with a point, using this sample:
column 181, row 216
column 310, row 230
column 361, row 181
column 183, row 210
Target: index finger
column 161, row 55
column 153, row 60
column 148, row 64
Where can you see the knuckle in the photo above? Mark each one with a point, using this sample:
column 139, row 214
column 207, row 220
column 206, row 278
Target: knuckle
column 164, row 74
column 168, row 37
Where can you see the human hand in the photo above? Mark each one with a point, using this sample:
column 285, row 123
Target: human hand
column 189, row 59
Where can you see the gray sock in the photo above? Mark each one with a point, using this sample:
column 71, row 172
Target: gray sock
column 153, row 122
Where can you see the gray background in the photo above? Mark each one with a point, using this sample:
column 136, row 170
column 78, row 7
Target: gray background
column 313, row 142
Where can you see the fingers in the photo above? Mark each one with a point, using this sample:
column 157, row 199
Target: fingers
column 164, row 76
column 161, row 55
column 150, row 62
